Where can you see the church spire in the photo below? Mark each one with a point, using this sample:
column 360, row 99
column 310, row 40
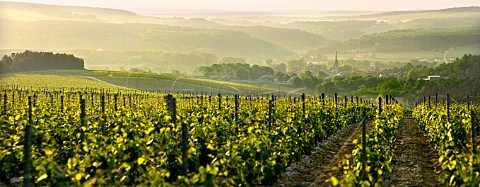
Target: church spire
column 336, row 68
column 336, row 60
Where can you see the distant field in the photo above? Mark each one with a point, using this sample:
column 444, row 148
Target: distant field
column 470, row 49
column 408, row 56
column 275, row 87
column 128, row 80
column 162, row 82
column 54, row 81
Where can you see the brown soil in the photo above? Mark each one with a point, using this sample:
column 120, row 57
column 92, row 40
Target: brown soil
column 415, row 159
column 316, row 169
column 414, row 163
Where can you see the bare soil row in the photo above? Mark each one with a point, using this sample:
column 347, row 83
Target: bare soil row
column 414, row 163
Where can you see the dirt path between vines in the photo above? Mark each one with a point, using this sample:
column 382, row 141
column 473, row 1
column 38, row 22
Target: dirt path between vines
column 316, row 169
column 415, row 159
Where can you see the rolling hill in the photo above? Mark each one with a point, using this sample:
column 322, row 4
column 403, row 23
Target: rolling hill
column 346, row 27
column 292, row 38
column 408, row 41
column 122, row 80
column 110, row 38
column 89, row 25
column 33, row 11
column 65, row 35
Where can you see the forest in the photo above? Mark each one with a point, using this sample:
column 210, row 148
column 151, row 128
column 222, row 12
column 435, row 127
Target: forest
column 459, row 77
column 439, row 39
column 277, row 93
column 38, row 61
column 120, row 40
column 236, row 68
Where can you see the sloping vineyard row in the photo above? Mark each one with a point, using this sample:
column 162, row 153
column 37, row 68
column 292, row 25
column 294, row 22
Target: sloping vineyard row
column 134, row 142
column 451, row 132
column 370, row 169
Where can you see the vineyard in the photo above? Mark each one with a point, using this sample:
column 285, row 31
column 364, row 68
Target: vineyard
column 94, row 136
column 131, row 138
column 239, row 93
column 134, row 80
column 453, row 129
column 29, row 81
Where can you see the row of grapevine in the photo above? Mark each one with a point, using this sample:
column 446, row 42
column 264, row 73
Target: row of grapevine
column 132, row 140
column 52, row 81
column 450, row 128
column 371, row 160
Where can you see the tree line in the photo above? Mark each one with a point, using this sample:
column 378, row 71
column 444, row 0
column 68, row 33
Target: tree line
column 236, row 68
column 38, row 61
column 459, row 77
column 407, row 40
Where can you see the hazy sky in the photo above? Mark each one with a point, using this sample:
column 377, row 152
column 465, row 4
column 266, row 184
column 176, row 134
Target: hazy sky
column 264, row 5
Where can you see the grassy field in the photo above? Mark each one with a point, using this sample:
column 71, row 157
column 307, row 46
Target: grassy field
column 129, row 80
column 40, row 81
column 408, row 56
column 392, row 57
column 276, row 87
column 469, row 49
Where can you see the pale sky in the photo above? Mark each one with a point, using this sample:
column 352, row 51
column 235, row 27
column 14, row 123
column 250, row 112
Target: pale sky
column 265, row 5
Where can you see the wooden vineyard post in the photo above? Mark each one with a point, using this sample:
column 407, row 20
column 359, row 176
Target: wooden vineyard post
column 345, row 103
column 468, row 102
column 270, row 114
column 51, row 101
column 335, row 100
column 250, row 98
column 303, row 105
column 172, row 109
column 115, row 98
column 5, row 97
column 13, row 101
column 35, row 97
column 303, row 113
column 428, row 101
column 236, row 110
column 184, row 141
column 27, row 145
column 61, row 103
column 364, row 145
column 474, row 133
column 436, row 99
column 219, row 101
column 102, row 103
column 130, row 101
column 380, row 106
column 323, row 98
column 448, row 107
column 82, row 118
